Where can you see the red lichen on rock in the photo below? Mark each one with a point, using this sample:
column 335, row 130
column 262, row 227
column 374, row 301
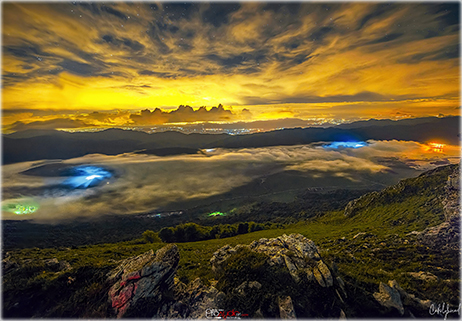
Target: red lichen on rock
column 123, row 297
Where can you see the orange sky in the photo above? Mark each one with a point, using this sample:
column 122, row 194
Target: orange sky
column 63, row 61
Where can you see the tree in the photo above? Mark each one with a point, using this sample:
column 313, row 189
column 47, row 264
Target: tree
column 243, row 228
column 151, row 237
column 166, row 235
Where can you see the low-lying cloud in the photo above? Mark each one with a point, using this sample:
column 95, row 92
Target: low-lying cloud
column 145, row 183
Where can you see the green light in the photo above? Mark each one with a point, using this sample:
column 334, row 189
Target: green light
column 20, row 207
column 217, row 214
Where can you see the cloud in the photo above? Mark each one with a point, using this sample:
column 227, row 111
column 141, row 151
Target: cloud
column 146, row 183
column 99, row 56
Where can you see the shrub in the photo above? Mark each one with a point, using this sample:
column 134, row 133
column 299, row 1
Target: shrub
column 151, row 237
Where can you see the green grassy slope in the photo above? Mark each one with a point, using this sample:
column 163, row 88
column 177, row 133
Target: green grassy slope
column 383, row 253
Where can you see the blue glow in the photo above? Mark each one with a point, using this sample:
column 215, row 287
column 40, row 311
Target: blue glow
column 337, row 145
column 86, row 176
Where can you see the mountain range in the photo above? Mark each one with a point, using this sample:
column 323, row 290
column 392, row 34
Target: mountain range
column 32, row 145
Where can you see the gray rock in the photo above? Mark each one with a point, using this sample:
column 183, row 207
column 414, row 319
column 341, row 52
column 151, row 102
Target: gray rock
column 286, row 308
column 141, row 279
column 342, row 286
column 410, row 299
column 325, row 272
column 389, row 298
column 191, row 301
column 246, row 286
column 425, row 276
column 294, row 252
column 51, row 262
column 300, row 257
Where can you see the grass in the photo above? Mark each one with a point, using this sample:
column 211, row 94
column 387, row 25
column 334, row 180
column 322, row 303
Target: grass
column 384, row 253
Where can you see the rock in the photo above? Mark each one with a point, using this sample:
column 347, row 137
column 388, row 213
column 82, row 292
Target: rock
column 323, row 275
column 64, row 266
column 363, row 235
column 258, row 315
column 246, row 286
column 410, row 300
column 191, row 301
column 139, row 281
column 57, row 265
column 389, row 298
column 51, row 262
column 295, row 252
column 286, row 308
column 319, row 293
column 359, row 234
column 425, row 276
column 342, row 286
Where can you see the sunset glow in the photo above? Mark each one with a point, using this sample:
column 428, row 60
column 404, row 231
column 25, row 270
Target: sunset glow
column 79, row 65
column 437, row 148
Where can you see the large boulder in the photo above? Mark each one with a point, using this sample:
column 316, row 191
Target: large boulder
column 295, row 252
column 140, row 283
column 389, row 298
column 393, row 298
column 286, row 278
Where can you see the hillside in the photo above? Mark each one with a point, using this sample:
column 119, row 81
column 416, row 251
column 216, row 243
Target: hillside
column 370, row 263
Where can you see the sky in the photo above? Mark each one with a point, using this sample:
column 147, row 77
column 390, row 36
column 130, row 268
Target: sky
column 147, row 183
column 83, row 64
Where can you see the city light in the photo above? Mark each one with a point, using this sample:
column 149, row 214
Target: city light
column 86, row 176
column 436, row 147
column 336, row 145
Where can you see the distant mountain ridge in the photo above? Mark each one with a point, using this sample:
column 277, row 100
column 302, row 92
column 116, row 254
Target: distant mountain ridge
column 45, row 144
